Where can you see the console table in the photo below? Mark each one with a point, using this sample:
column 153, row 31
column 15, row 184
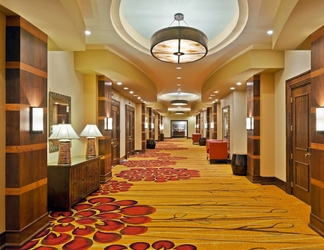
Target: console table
column 69, row 183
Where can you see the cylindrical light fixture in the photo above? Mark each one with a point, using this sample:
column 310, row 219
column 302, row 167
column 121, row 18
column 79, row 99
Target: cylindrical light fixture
column 179, row 44
column 179, row 102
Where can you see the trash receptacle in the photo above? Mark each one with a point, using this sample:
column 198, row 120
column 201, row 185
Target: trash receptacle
column 150, row 144
column 202, row 142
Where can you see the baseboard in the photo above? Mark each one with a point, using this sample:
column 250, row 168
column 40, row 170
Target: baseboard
column 15, row 239
column 267, row 181
column 2, row 240
column 317, row 224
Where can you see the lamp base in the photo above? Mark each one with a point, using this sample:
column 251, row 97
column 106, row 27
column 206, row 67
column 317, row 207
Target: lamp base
column 64, row 152
column 91, row 147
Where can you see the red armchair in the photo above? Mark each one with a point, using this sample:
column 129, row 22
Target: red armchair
column 217, row 152
column 195, row 138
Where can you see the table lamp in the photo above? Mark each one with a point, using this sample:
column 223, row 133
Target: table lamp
column 91, row 131
column 64, row 133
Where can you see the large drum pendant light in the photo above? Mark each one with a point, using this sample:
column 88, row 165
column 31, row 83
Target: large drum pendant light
column 179, row 44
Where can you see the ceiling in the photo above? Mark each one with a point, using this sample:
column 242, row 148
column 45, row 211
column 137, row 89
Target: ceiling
column 238, row 43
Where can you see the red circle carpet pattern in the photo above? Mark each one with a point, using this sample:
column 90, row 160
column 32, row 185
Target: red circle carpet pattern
column 158, row 174
column 148, row 163
column 149, row 154
column 112, row 187
column 105, row 218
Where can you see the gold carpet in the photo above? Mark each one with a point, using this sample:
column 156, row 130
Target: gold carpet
column 172, row 198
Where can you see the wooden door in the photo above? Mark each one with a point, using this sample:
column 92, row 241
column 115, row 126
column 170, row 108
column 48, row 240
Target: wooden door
column 300, row 166
column 115, row 134
column 130, row 130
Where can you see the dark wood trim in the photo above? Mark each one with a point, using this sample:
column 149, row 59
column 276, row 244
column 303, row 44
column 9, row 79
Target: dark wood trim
column 317, row 224
column 267, row 181
column 292, row 83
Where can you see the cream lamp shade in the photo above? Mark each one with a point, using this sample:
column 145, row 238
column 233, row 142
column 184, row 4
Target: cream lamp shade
column 91, row 131
column 64, row 133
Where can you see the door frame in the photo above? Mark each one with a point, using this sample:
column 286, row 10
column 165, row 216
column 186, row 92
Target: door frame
column 292, row 83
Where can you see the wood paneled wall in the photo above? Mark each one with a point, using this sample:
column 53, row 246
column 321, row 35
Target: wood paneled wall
column 208, row 120
column 143, row 111
column 253, row 147
column 150, row 121
column 317, row 140
column 198, row 123
column 214, row 115
column 26, row 153
column 104, row 143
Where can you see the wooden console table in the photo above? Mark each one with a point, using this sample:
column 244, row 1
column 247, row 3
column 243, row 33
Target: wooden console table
column 68, row 184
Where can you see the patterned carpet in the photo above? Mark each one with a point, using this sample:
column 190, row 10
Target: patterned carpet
column 172, row 198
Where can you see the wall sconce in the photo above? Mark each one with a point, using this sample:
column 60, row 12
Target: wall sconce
column 212, row 125
column 36, row 120
column 152, row 125
column 91, row 131
column 64, row 133
column 161, row 126
column 108, row 123
column 249, row 123
column 145, row 125
column 206, row 125
column 320, row 120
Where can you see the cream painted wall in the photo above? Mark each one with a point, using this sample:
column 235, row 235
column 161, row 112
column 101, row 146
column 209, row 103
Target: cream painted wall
column 123, row 102
column 2, row 123
column 90, row 90
column 296, row 62
column 238, row 123
column 267, row 128
column 167, row 124
column 63, row 79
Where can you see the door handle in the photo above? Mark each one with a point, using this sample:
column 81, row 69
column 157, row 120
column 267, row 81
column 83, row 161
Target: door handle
column 308, row 152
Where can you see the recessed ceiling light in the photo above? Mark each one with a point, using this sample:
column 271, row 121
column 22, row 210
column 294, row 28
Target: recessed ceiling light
column 216, row 92
column 179, row 84
column 179, row 77
column 139, row 97
column 238, row 83
column 119, row 83
column 270, row 32
column 131, row 92
column 125, row 88
column 87, row 32
column 232, row 88
column 212, row 95
column 178, row 67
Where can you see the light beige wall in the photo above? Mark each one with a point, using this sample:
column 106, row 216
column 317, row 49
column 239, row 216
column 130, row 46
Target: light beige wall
column 238, row 128
column 267, row 128
column 296, row 62
column 2, row 123
column 90, row 89
column 63, row 79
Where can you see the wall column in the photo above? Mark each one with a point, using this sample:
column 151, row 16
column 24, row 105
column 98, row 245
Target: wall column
column 253, row 137
column 26, row 153
column 317, row 140
column 104, row 110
